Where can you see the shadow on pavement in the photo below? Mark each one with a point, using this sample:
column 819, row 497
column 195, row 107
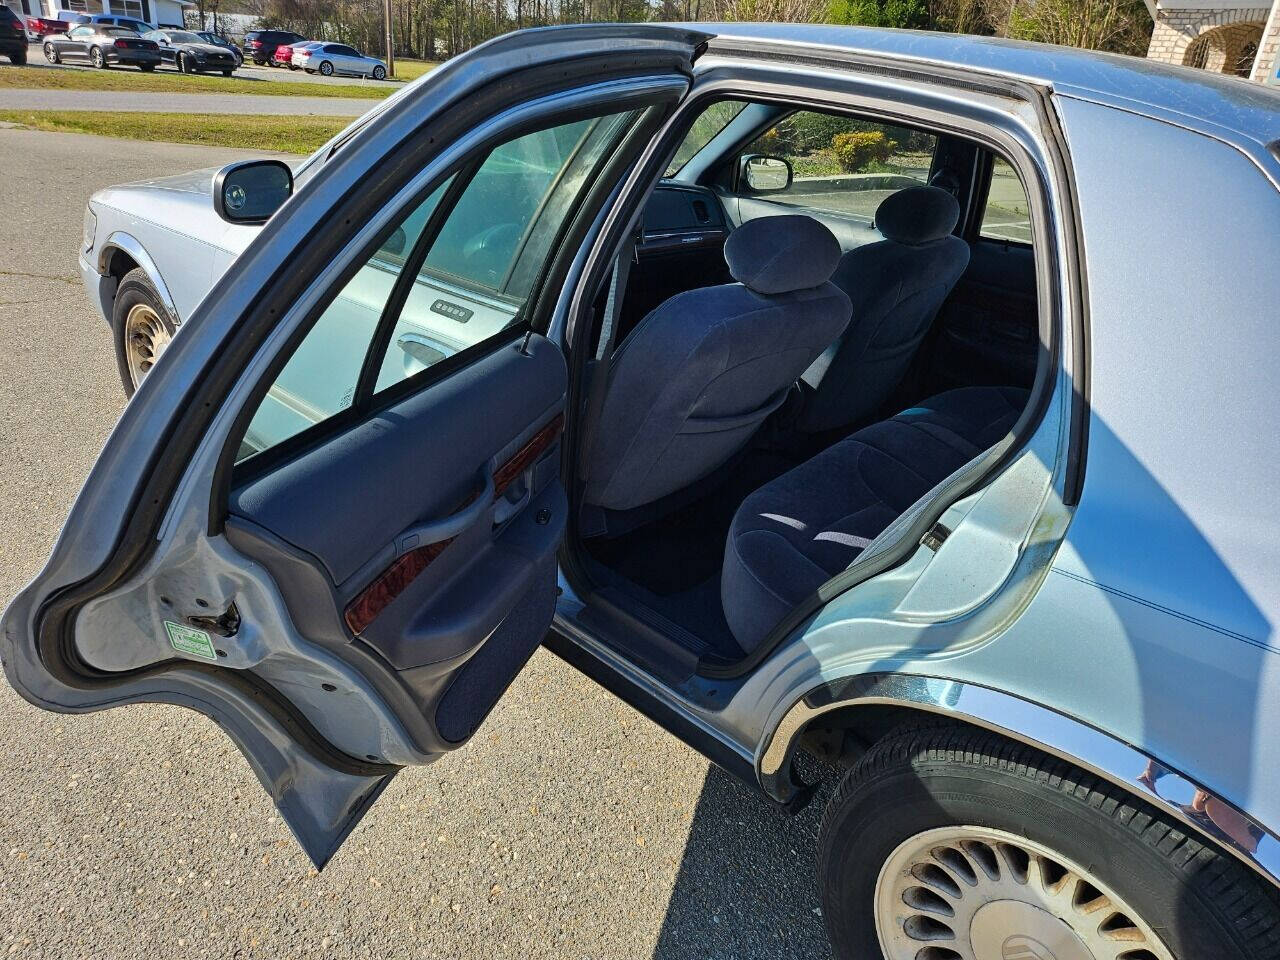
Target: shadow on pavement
column 747, row 886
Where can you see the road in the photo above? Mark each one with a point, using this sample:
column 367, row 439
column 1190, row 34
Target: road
column 569, row 827
column 247, row 104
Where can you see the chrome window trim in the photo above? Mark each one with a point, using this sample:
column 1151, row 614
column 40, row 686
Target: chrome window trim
column 1029, row 723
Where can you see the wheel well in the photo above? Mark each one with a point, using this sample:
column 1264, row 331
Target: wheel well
column 842, row 736
column 120, row 264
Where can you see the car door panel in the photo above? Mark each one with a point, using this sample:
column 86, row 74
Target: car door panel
column 415, row 481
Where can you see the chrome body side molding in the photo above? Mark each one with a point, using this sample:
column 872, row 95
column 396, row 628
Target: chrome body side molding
column 1193, row 806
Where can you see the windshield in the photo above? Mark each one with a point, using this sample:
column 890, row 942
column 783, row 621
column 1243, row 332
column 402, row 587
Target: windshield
column 709, row 123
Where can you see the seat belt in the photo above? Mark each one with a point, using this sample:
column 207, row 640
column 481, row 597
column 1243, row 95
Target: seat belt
column 599, row 375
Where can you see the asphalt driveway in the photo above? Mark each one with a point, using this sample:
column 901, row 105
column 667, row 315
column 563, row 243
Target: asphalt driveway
column 570, row 827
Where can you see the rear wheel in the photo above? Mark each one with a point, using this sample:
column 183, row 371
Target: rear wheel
column 146, row 67
column 227, row 73
column 98, row 58
column 326, row 69
column 51, row 53
column 19, row 59
column 143, row 328
column 950, row 843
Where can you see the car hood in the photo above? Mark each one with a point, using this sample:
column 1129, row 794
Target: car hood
column 205, row 48
column 183, row 204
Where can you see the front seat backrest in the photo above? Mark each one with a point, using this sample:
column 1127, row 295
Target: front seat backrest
column 896, row 287
column 696, row 378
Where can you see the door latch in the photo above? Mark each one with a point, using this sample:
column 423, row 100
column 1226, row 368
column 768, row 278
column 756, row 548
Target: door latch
column 224, row 625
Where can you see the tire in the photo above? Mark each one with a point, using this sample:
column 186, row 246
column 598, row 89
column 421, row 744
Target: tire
column 379, row 73
column 259, row 63
column 18, row 59
column 136, row 292
column 326, row 69
column 227, row 73
column 51, row 53
column 293, row 66
column 146, row 67
column 927, row 790
column 309, row 70
column 97, row 58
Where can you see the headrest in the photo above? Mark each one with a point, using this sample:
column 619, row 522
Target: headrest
column 917, row 215
column 781, row 254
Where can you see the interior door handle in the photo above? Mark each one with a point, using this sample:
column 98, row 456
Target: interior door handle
column 434, row 531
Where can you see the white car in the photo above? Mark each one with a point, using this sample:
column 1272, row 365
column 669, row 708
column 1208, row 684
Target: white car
column 330, row 58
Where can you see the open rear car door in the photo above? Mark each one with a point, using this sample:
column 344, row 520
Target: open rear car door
column 329, row 518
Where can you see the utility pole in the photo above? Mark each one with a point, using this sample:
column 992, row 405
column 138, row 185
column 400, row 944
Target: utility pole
column 391, row 53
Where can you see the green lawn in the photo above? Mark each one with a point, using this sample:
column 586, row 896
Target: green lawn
column 286, row 134
column 173, row 82
column 413, row 69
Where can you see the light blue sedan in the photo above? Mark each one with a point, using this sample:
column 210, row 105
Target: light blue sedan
column 909, row 400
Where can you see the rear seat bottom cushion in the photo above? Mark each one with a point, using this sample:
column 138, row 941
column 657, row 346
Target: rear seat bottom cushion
column 798, row 531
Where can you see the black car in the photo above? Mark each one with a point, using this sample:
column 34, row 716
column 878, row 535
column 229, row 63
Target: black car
column 208, row 36
column 191, row 54
column 13, row 36
column 260, row 45
column 102, row 46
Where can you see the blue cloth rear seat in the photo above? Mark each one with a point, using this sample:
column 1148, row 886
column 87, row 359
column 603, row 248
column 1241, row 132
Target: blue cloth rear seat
column 803, row 528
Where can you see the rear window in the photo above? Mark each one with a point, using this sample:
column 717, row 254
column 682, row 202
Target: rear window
column 7, row 14
column 119, row 32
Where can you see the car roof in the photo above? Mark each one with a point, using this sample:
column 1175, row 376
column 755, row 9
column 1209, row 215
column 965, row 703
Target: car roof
column 1145, row 86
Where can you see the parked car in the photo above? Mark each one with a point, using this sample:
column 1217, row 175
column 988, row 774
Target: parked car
column 208, row 36
column 330, row 58
column 260, row 45
column 917, row 466
column 103, row 46
column 41, row 27
column 190, row 53
column 283, row 56
column 13, row 37
column 112, row 20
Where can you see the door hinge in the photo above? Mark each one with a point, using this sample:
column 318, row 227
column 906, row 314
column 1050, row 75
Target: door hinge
column 224, row 625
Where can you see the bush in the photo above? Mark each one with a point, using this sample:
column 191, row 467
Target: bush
column 855, row 151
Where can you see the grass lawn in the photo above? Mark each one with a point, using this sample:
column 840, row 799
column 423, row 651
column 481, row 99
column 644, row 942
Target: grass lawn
column 413, row 69
column 124, row 79
column 286, row 134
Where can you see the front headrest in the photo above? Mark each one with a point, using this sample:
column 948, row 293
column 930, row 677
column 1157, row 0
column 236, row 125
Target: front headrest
column 781, row 254
column 917, row 215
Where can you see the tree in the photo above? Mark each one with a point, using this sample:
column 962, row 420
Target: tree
column 1121, row 26
column 881, row 13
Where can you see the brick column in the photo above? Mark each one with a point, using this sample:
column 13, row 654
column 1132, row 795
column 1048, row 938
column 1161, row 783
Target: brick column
column 1264, row 68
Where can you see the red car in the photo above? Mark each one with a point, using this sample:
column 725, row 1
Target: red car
column 40, row 27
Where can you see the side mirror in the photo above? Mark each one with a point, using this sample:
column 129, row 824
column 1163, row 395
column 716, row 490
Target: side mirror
column 761, row 174
column 252, row 190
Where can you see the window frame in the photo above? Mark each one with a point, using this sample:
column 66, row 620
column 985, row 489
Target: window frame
column 366, row 402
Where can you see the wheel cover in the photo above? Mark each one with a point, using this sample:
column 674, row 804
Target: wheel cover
column 145, row 337
column 972, row 893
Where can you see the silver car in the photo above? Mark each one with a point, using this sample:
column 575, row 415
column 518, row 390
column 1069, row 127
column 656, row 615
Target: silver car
column 328, row 59
column 814, row 390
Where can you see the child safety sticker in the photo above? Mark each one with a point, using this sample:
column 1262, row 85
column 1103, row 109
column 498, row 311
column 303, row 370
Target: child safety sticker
column 191, row 641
